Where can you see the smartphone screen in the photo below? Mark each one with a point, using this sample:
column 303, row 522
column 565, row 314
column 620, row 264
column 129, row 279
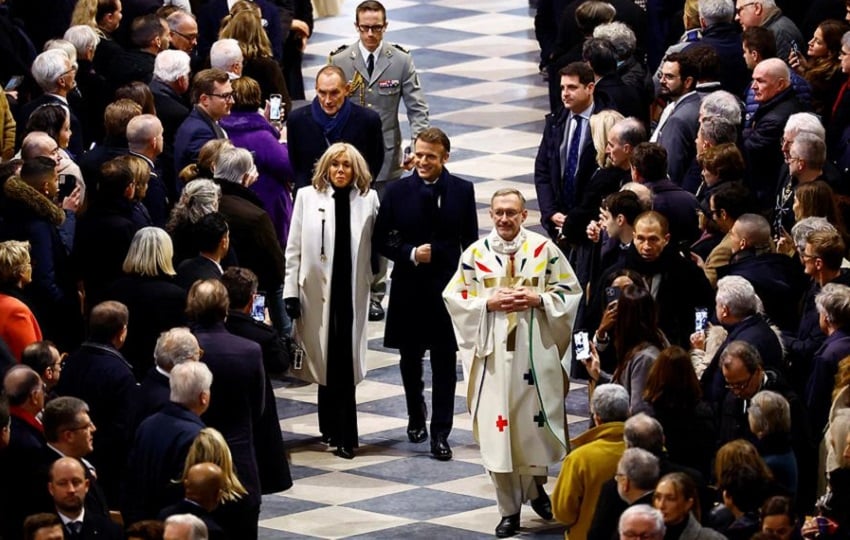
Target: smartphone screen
column 612, row 294
column 258, row 309
column 14, row 83
column 274, row 107
column 700, row 319
column 582, row 345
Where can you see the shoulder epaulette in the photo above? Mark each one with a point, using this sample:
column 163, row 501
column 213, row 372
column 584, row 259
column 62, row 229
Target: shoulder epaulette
column 338, row 50
column 402, row 49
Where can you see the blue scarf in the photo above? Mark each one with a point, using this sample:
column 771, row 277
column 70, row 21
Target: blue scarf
column 331, row 125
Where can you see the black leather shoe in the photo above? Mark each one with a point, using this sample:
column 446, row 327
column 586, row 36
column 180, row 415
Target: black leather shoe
column 509, row 526
column 440, row 448
column 542, row 505
column 417, row 435
column 344, row 452
column 376, row 311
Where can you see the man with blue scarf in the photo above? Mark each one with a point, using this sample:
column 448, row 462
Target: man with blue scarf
column 332, row 118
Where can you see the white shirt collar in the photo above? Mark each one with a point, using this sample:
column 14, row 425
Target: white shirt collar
column 366, row 52
column 66, row 520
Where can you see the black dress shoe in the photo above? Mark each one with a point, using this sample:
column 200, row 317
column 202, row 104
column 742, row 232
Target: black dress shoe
column 417, row 435
column 542, row 505
column 376, row 311
column 345, row 452
column 509, row 526
column 440, row 448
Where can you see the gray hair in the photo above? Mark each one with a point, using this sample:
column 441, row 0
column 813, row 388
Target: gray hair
column 48, row 67
column 224, row 53
column 718, row 130
column 630, row 131
column 643, row 193
column 810, row 148
column 187, row 382
column 83, row 37
column 743, row 351
column 170, row 65
column 805, row 123
column 739, row 296
column 640, row 467
column 723, row 104
column 768, row 4
column 176, row 346
column 199, row 198
column 141, row 129
column 806, row 226
column 199, row 528
column 643, row 511
column 233, row 163
column 63, row 45
column 150, row 253
column 833, row 302
column 610, row 402
column 178, row 17
column 37, row 143
column 716, row 11
column 845, row 39
column 769, row 413
column 621, row 37
column 644, row 431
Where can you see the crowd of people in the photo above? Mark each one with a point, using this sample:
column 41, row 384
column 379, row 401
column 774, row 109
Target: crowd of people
column 175, row 230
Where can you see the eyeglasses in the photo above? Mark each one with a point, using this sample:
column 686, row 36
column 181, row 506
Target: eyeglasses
column 187, row 37
column 739, row 385
column 226, row 97
column 90, row 425
column 510, row 214
column 72, row 70
column 738, row 10
column 375, row 29
column 806, row 257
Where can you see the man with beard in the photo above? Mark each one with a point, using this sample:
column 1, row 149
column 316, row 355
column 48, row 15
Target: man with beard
column 68, row 486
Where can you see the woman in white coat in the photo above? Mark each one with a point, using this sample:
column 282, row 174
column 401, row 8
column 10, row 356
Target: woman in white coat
column 326, row 290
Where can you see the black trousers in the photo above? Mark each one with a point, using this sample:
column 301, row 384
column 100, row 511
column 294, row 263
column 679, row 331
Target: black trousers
column 444, row 380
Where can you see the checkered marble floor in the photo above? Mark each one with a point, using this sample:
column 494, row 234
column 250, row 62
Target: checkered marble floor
column 477, row 61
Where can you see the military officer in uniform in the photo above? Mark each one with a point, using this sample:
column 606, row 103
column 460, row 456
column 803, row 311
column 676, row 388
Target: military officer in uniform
column 380, row 75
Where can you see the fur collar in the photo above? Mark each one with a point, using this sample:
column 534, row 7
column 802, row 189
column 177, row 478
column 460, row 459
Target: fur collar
column 27, row 196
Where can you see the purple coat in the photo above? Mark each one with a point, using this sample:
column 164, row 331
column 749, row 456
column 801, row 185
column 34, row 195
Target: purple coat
column 251, row 131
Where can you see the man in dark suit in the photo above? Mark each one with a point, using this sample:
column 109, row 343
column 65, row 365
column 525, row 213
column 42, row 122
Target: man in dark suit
column 68, row 486
column 162, row 441
column 145, row 140
column 149, row 35
column 173, row 347
column 239, row 386
column 566, row 158
column 55, row 74
column 719, row 31
column 610, row 90
column 70, row 433
column 171, row 76
column 212, row 236
column 425, row 221
column 213, row 98
column 241, row 285
column 202, row 487
column 99, row 374
column 25, row 392
column 332, row 117
column 115, row 119
column 679, row 122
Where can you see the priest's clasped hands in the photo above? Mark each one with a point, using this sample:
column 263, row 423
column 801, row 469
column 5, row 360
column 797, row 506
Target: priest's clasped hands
column 511, row 300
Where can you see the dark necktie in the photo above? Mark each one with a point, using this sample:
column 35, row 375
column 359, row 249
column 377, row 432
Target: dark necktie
column 370, row 64
column 75, row 528
column 572, row 164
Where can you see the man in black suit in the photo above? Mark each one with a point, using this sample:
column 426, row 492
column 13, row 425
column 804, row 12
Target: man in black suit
column 55, row 74
column 241, row 285
column 173, row 347
column 212, row 236
column 239, row 386
column 171, row 76
column 162, row 441
column 331, row 117
column 425, row 221
column 610, row 89
column 68, row 486
column 566, row 158
column 202, row 488
column 70, row 433
column 99, row 374
column 150, row 35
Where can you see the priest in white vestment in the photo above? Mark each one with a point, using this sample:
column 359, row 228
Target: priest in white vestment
column 513, row 301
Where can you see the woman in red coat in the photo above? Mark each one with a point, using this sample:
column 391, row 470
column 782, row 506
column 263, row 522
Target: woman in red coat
column 18, row 327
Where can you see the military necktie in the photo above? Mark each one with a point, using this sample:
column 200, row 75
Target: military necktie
column 370, row 64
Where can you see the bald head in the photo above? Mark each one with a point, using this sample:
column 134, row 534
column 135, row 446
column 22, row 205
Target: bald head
column 23, row 387
column 68, row 485
column 38, row 143
column 770, row 77
column 203, row 485
column 144, row 135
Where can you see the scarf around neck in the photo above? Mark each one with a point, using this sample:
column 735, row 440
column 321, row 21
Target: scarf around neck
column 332, row 126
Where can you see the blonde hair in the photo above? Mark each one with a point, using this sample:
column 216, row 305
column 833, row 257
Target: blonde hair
column 210, row 447
column 600, row 125
column 150, row 253
column 246, row 27
column 14, row 257
column 361, row 177
column 139, row 170
column 85, row 12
